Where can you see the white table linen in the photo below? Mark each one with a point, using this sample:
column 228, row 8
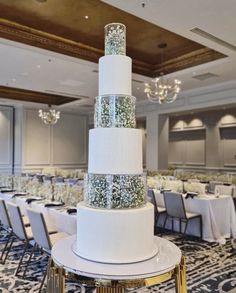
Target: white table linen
column 218, row 216
column 55, row 218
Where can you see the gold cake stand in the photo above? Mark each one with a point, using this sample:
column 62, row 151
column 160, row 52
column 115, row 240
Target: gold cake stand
column 110, row 278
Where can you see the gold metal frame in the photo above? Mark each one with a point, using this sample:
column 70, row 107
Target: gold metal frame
column 56, row 280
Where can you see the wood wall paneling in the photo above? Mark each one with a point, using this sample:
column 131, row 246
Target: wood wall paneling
column 69, row 140
column 228, row 138
column 187, row 148
column 36, row 140
column 195, row 148
column 62, row 145
column 6, row 116
column 176, row 148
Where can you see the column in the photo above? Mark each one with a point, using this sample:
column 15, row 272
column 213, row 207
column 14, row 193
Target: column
column 213, row 147
column 157, row 141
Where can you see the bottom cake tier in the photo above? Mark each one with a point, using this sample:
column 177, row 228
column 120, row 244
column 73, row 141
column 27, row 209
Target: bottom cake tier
column 115, row 236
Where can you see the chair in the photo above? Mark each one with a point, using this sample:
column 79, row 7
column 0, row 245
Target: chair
column 41, row 236
column 212, row 185
column 58, row 179
column 73, row 181
column 20, row 232
column 47, row 178
column 175, row 209
column 6, row 225
column 157, row 209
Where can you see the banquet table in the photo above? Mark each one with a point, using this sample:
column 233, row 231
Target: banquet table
column 218, row 216
column 57, row 218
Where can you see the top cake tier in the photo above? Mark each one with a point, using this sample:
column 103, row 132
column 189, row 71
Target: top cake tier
column 115, row 39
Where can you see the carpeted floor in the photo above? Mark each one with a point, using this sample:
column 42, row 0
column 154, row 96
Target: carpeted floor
column 210, row 268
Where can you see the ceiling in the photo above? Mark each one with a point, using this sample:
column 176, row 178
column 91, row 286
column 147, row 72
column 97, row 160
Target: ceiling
column 37, row 69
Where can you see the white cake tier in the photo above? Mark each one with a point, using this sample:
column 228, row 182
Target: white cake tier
column 115, row 236
column 115, row 75
column 115, row 151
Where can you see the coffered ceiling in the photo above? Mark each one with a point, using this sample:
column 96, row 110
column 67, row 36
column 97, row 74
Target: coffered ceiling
column 74, row 28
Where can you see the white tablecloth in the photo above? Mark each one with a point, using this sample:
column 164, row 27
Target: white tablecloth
column 60, row 220
column 218, row 216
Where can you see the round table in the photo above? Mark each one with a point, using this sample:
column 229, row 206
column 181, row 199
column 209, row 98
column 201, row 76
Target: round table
column 168, row 263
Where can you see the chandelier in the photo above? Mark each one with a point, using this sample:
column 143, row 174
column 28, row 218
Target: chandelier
column 162, row 89
column 51, row 117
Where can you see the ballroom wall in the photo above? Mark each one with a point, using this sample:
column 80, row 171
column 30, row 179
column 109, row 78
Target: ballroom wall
column 206, row 139
column 201, row 142
column 6, row 139
column 37, row 145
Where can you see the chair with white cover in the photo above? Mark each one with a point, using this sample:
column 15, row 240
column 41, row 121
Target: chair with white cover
column 41, row 236
column 20, row 232
column 157, row 209
column 175, row 209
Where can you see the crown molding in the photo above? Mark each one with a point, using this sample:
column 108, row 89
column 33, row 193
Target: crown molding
column 37, row 38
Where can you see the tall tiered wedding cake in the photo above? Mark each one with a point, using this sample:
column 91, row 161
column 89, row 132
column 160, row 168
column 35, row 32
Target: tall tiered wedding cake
column 115, row 224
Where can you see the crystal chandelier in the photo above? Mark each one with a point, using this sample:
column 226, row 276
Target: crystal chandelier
column 51, row 117
column 162, row 89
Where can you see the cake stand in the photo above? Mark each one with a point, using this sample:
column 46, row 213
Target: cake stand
column 115, row 278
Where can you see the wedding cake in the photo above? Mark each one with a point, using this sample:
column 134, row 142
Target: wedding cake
column 115, row 224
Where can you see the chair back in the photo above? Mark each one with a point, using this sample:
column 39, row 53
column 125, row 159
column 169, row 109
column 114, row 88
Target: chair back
column 39, row 178
column 58, row 179
column 47, row 178
column 73, row 181
column 39, row 229
column 4, row 217
column 16, row 221
column 174, row 204
column 212, row 185
column 152, row 199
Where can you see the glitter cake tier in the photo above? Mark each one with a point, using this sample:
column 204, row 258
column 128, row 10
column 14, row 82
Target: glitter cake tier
column 115, row 191
column 115, row 111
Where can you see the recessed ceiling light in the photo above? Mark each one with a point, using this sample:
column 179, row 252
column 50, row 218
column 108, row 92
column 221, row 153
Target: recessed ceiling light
column 38, row 66
column 86, row 17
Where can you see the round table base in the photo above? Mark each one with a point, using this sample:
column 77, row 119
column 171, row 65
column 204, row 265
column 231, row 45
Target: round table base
column 157, row 270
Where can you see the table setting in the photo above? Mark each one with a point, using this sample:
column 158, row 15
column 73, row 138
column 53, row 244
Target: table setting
column 215, row 227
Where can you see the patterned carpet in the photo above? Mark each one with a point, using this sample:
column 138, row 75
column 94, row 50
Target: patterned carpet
column 210, row 268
